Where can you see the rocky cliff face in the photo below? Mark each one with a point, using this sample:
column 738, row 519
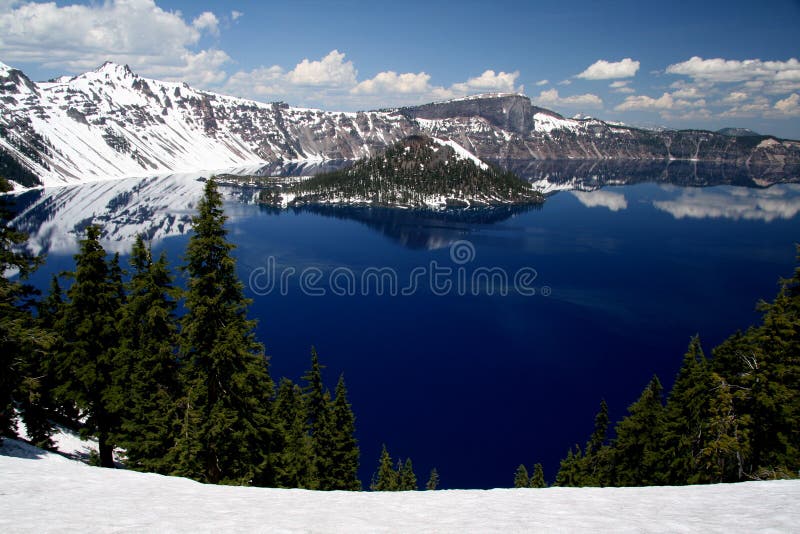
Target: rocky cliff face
column 112, row 123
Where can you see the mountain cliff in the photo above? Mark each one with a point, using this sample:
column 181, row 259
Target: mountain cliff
column 112, row 123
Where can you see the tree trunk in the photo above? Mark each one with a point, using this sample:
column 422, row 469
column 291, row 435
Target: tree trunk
column 106, row 451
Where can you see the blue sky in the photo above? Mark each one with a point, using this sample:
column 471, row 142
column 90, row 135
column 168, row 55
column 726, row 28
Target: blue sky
column 680, row 64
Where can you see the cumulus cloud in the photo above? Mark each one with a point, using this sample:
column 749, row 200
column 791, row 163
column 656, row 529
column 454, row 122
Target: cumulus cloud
column 552, row 98
column 621, row 86
column 777, row 202
column 236, row 15
column 138, row 32
column 333, row 81
column 665, row 102
column 601, row 199
column 391, row 82
column 608, row 70
column 789, row 106
column 731, row 70
column 330, row 71
column 208, row 22
column 489, row 81
column 542, row 82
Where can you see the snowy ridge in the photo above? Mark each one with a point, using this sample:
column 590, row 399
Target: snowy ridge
column 49, row 493
column 461, row 152
column 111, row 123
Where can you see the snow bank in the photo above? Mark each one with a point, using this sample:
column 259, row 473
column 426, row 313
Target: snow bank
column 47, row 492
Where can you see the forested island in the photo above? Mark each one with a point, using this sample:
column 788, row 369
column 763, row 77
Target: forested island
column 416, row 172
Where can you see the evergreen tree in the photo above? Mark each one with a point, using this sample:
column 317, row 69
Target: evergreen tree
column 726, row 447
column 521, row 479
column 147, row 363
column 433, row 480
column 406, row 477
column 636, row 447
column 319, row 423
column 386, row 478
column 293, row 462
column 596, row 467
column 90, row 335
column 226, row 429
column 537, row 479
column 19, row 335
column 685, row 419
column 345, row 453
column 569, row 469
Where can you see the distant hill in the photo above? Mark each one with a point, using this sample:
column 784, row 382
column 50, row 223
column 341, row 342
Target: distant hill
column 416, row 172
column 739, row 132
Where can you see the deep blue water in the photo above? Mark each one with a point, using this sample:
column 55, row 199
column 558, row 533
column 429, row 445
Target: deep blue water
column 476, row 384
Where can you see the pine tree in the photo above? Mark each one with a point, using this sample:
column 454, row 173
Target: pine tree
column 537, row 479
column 319, row 424
column 596, row 465
column 726, row 448
column 636, row 447
column 226, row 428
column 386, row 478
column 147, row 363
column 293, row 462
column 89, row 328
column 433, row 480
column 407, row 478
column 569, row 469
column 521, row 479
column 685, row 419
column 345, row 453
column 19, row 335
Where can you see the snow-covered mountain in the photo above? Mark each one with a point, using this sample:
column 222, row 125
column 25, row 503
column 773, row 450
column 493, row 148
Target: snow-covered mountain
column 111, row 123
column 46, row 492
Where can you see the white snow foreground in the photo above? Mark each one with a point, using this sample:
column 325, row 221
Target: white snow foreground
column 42, row 491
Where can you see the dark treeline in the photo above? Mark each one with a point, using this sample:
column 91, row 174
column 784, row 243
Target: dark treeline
column 174, row 378
column 732, row 417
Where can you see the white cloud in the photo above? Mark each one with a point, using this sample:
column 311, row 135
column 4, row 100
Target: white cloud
column 601, row 199
column 489, row 81
column 80, row 37
column 731, row 70
column 236, row 15
column 542, row 82
column 330, row 71
column 621, row 86
column 552, row 98
column 666, row 101
column 608, row 70
column 789, row 106
column 206, row 21
column 777, row 202
column 391, row 82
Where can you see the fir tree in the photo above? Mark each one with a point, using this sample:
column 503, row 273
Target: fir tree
column 596, row 466
column 89, row 328
column 521, row 479
column 636, row 447
column 537, row 479
column 386, row 478
column 726, row 448
column 18, row 333
column 407, row 480
column 569, row 470
column 148, row 361
column 685, row 419
column 226, row 428
column 433, row 480
column 345, row 453
column 293, row 462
